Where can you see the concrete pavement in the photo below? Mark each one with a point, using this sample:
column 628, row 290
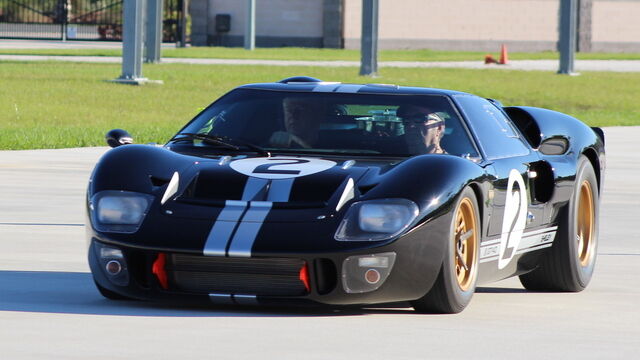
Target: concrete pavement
column 49, row 308
column 540, row 65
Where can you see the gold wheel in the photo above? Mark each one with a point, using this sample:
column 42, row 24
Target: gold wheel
column 465, row 240
column 586, row 220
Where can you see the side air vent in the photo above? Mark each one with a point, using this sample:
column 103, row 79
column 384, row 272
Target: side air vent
column 299, row 79
column 156, row 181
column 541, row 181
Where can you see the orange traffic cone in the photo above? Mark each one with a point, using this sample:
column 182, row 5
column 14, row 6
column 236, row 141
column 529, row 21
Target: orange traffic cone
column 489, row 59
column 504, row 57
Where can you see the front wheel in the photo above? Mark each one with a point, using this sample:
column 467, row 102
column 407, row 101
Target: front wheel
column 456, row 282
column 569, row 264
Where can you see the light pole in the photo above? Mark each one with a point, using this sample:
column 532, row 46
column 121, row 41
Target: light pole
column 250, row 28
column 133, row 28
column 568, row 33
column 369, row 38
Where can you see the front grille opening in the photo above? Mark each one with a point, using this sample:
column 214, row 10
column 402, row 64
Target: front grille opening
column 326, row 275
column 138, row 263
column 254, row 276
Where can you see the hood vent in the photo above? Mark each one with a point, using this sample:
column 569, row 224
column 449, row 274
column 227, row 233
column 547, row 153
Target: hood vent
column 157, row 182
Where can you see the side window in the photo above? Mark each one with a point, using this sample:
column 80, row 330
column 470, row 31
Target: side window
column 494, row 130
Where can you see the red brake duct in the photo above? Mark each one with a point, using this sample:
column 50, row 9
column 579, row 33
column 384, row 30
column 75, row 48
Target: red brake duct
column 304, row 276
column 158, row 270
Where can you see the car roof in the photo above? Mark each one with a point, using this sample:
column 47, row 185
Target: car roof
column 308, row 84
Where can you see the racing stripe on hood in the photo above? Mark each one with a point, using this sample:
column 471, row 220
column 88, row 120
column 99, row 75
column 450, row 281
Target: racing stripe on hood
column 255, row 189
column 280, row 190
column 236, row 228
column 248, row 229
column 224, row 227
column 251, row 223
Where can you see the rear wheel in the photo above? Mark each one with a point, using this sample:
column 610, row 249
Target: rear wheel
column 569, row 264
column 456, row 282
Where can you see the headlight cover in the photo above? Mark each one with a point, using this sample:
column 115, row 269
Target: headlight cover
column 376, row 220
column 119, row 211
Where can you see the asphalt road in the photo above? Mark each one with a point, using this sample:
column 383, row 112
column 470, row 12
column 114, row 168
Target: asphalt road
column 49, row 308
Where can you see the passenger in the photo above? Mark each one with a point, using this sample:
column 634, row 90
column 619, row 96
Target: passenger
column 423, row 129
column 302, row 118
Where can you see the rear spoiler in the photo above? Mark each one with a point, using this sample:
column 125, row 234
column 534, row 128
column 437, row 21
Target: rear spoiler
column 599, row 132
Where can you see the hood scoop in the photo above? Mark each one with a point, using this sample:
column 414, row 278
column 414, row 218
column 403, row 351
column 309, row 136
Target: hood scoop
column 215, row 186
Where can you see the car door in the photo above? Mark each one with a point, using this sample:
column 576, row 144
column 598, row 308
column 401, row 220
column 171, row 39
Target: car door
column 511, row 211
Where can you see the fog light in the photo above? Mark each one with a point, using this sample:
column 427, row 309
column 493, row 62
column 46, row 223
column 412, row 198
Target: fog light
column 113, row 263
column 372, row 276
column 107, row 252
column 365, row 273
column 113, row 267
column 374, row 261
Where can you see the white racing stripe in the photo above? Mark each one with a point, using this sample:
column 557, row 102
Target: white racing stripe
column 255, row 188
column 531, row 241
column 248, row 229
column 326, row 87
column 223, row 228
column 280, row 190
column 239, row 222
column 349, row 88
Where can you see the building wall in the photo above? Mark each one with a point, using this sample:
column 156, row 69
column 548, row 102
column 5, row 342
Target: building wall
column 278, row 22
column 483, row 25
column 458, row 24
column 616, row 26
column 478, row 25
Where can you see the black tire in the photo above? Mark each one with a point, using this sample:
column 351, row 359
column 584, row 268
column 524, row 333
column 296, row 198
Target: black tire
column 568, row 265
column 110, row 294
column 456, row 283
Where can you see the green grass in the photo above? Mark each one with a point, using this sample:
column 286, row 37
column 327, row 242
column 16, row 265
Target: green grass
column 54, row 105
column 292, row 53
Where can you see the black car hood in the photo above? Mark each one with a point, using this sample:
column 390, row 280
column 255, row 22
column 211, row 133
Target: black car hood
column 232, row 204
column 312, row 187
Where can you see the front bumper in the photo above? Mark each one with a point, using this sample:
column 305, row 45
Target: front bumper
column 273, row 277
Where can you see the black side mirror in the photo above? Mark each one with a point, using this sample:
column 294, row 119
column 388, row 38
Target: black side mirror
column 117, row 137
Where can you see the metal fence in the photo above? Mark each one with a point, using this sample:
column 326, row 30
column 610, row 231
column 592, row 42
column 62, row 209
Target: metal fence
column 76, row 19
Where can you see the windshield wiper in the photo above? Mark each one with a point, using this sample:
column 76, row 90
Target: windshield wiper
column 221, row 141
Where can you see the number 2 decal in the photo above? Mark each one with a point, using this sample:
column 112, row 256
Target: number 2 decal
column 267, row 168
column 515, row 216
column 280, row 167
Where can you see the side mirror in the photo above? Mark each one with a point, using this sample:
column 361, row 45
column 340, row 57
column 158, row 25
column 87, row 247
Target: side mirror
column 554, row 146
column 117, row 137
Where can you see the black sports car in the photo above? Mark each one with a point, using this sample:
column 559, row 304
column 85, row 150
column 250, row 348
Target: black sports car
column 304, row 191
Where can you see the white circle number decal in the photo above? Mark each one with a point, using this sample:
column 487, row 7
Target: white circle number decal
column 280, row 167
column 515, row 216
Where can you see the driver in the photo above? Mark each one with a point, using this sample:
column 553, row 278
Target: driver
column 423, row 129
column 302, row 118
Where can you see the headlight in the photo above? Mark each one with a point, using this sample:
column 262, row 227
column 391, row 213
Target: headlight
column 119, row 211
column 376, row 220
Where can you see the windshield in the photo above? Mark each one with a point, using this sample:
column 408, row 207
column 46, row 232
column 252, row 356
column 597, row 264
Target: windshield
column 325, row 122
